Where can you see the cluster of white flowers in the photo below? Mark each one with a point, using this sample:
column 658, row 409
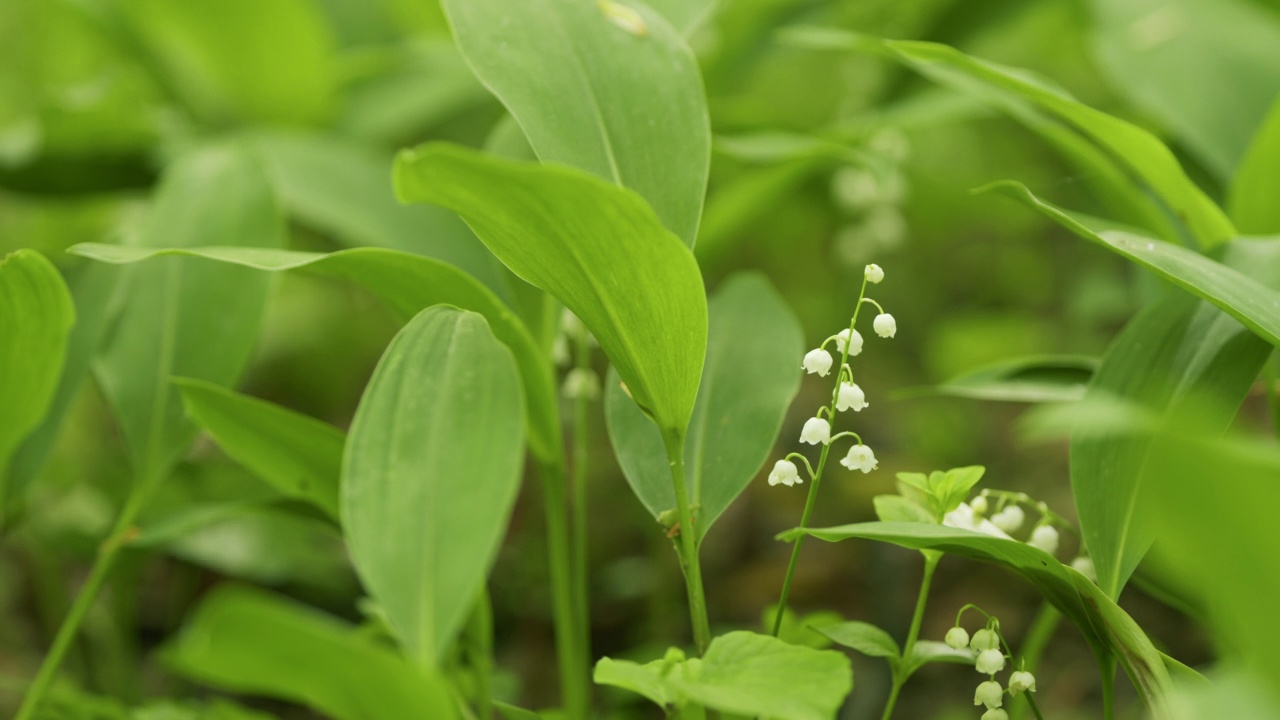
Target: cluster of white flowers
column 989, row 661
column 579, row 381
column 1007, row 519
column 847, row 394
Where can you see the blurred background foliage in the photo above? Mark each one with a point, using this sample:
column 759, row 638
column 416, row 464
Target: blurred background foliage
column 97, row 96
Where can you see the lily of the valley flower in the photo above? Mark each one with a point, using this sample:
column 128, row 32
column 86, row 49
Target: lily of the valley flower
column 816, row 431
column 995, row 714
column 818, row 361
column 850, row 397
column 844, row 336
column 885, row 325
column 964, row 518
column 785, row 473
column 1009, row 519
column 861, row 458
column 989, row 662
column 1044, row 537
column 985, row 639
column 1021, row 681
column 990, row 694
column 957, row 638
column 874, row 273
column 1084, row 566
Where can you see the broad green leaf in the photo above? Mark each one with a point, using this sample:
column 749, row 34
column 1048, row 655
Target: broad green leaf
column 863, row 637
column 1207, row 70
column 1240, row 296
column 744, row 673
column 36, row 315
column 407, row 283
column 184, row 317
column 1257, row 182
column 684, row 15
column 256, row 60
column 95, row 290
column 344, row 189
column 1035, row 379
column 749, row 379
column 431, row 471
column 594, row 246
column 252, row 642
column 607, row 87
column 801, row 629
column 1108, row 629
column 297, row 455
column 1140, row 152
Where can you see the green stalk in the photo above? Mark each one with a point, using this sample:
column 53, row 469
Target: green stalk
column 479, row 644
column 105, row 560
column 1042, row 628
column 1109, row 688
column 573, row 670
column 579, row 534
column 900, row 676
column 688, row 546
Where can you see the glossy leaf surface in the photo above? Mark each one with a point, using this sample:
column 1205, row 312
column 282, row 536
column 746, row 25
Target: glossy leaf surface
column 1037, row 379
column 750, row 377
column 1257, row 182
column 433, row 463
column 597, row 248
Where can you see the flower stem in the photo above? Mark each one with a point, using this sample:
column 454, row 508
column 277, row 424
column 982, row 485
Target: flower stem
column 1042, row 628
column 811, row 500
column 573, row 670
column 1109, row 688
column 687, row 548
column 901, row 671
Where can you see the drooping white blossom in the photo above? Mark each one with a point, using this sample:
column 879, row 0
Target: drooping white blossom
column 957, row 638
column 855, row 347
column 850, row 397
column 816, row 431
column 1044, row 537
column 1009, row 519
column 786, row 473
column 990, row 694
column 861, row 458
column 985, row 639
column 874, row 273
column 1021, row 681
column 885, row 325
column 818, row 361
column 989, row 662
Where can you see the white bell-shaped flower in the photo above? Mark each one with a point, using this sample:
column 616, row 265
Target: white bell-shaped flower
column 816, row 431
column 844, row 336
column 1084, row 566
column 1009, row 519
column 850, row 397
column 990, row 694
column 957, row 638
column 985, row 639
column 1021, row 681
column 979, row 504
column 874, row 274
column 989, row 662
column 861, row 458
column 1044, row 537
column 964, row 518
column 995, row 714
column 885, row 325
column 818, row 361
column 786, row 473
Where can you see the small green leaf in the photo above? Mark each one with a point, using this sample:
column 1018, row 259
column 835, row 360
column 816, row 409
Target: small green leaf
column 407, row 283
column 594, row 246
column 863, row 637
column 1257, row 182
column 896, row 508
column 748, row 381
column 1035, row 379
column 297, row 455
column 184, row 317
column 248, row 641
column 1108, row 629
column 36, row 315
column 743, row 673
column 617, row 94
column 432, row 467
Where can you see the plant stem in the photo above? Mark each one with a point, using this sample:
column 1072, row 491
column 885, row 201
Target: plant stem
column 1109, row 688
column 1042, row 628
column 573, row 670
column 1272, row 377
column 579, row 533
column 105, row 560
column 480, row 652
column 901, row 672
column 688, row 546
column 1034, row 708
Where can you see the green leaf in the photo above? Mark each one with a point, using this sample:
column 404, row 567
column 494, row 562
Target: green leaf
column 1140, row 152
column 432, row 467
column 744, row 673
column 184, row 317
column 344, row 189
column 1033, row 379
column 1257, row 182
column 1242, row 297
column 1108, row 629
column 617, row 94
column 1205, row 69
column 863, row 637
column 248, row 641
column 896, row 508
column 36, row 315
column 750, row 377
column 925, row 652
column 297, row 455
column 407, row 283
column 597, row 248
column 684, row 15
column 242, row 59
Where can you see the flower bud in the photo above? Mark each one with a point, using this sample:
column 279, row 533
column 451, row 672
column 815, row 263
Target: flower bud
column 581, row 383
column 885, row 325
column 861, row 458
column 874, row 274
column 1084, row 566
column 989, row 662
column 786, row 473
column 979, row 504
column 995, row 714
column 1009, row 519
column 1021, row 681
column 985, row 639
column 842, row 337
column 957, row 638
column 816, row 431
column 1045, row 537
column 990, row 694
column 818, row 361
column 850, row 397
